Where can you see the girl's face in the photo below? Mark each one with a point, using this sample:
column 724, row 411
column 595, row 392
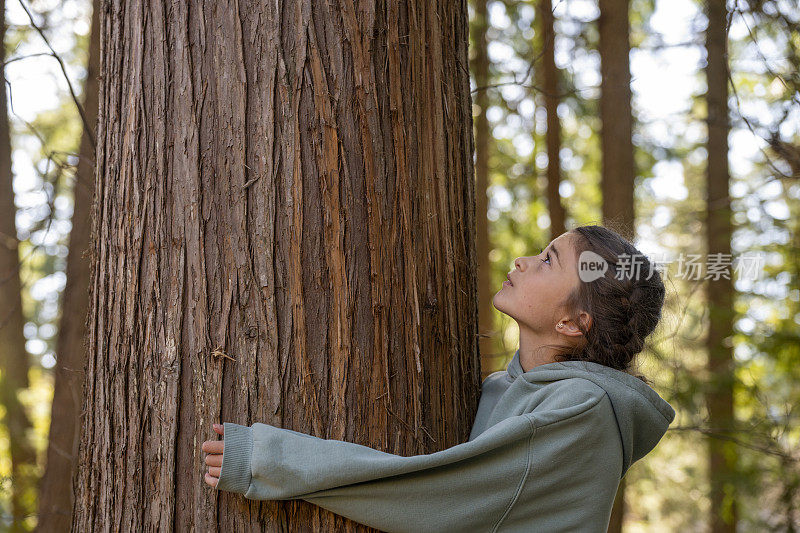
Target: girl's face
column 538, row 286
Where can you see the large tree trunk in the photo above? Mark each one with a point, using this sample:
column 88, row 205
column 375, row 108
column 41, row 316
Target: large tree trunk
column 719, row 399
column 283, row 233
column 618, row 171
column 551, row 84
column 55, row 492
column 480, row 69
column 14, row 362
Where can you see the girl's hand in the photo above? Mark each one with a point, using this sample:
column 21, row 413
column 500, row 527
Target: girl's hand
column 214, row 449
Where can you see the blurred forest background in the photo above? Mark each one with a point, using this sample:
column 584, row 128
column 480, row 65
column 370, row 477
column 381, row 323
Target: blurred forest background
column 546, row 76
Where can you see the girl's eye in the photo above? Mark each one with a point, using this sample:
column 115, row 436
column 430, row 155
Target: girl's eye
column 547, row 257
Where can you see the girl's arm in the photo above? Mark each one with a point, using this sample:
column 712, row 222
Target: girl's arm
column 473, row 484
column 553, row 468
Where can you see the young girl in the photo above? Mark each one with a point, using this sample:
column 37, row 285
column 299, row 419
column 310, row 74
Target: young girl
column 554, row 432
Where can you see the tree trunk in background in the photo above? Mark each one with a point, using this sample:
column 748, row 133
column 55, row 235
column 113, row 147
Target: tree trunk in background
column 14, row 362
column 480, row 69
column 618, row 510
column 618, row 171
column 617, row 120
column 719, row 399
column 283, row 233
column 56, row 491
column 552, row 95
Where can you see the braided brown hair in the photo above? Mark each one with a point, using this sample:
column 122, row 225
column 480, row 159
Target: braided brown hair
column 625, row 302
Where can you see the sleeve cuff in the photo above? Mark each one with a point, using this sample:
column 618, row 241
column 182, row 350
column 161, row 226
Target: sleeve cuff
column 235, row 473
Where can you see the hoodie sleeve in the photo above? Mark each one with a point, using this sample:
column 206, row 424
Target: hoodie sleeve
column 474, row 483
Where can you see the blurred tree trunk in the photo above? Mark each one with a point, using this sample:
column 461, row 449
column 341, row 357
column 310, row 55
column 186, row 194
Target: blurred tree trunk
column 618, row 510
column 719, row 398
column 618, row 171
column 480, row 69
column 14, row 362
column 55, row 490
column 283, row 233
column 550, row 77
column 617, row 120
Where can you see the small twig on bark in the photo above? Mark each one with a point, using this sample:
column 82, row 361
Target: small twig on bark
column 219, row 353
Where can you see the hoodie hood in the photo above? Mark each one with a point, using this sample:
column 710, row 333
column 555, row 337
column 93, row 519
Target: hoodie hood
column 642, row 415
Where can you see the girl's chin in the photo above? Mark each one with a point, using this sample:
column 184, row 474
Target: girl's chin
column 497, row 301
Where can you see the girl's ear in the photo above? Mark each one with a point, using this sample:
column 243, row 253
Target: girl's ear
column 567, row 326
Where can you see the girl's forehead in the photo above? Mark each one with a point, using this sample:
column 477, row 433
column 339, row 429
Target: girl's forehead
column 563, row 242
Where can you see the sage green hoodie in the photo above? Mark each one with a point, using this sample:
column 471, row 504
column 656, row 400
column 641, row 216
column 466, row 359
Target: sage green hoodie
column 546, row 453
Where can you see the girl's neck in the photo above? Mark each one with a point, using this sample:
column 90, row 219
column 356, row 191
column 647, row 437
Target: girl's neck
column 533, row 350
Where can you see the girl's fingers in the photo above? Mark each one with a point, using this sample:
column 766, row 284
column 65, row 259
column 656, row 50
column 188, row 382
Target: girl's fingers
column 214, row 450
column 214, row 459
column 213, row 446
